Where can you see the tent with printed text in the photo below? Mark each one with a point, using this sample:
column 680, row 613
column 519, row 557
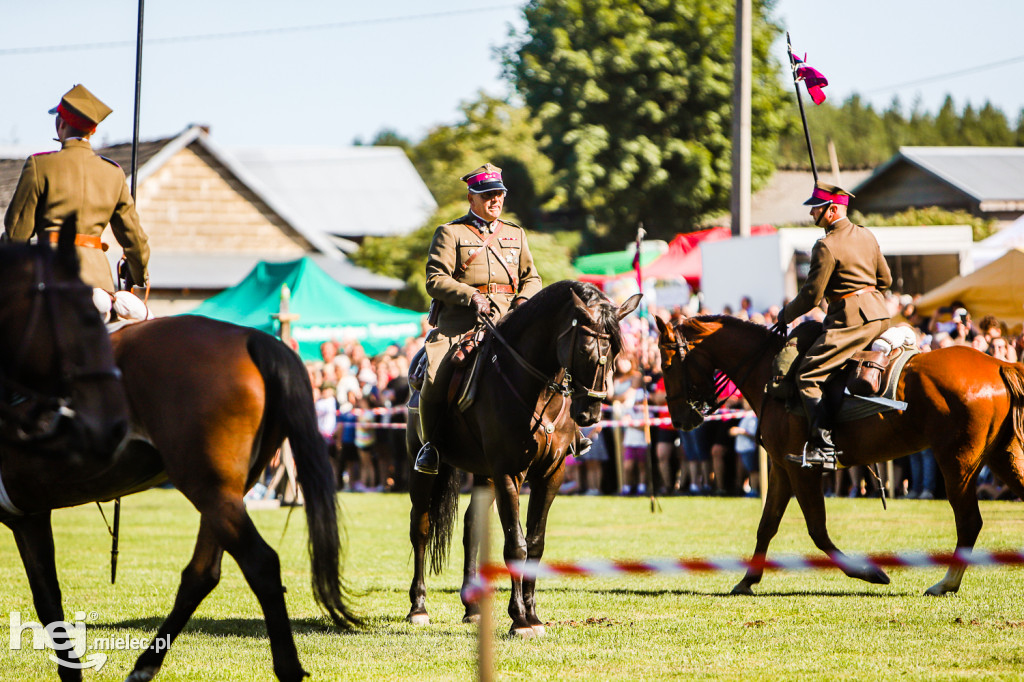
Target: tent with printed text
column 326, row 309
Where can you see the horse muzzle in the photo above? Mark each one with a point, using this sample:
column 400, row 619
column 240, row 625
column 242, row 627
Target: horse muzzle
column 586, row 411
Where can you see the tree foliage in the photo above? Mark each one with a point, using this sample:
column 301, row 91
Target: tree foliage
column 635, row 105
column 932, row 215
column 494, row 131
column 865, row 138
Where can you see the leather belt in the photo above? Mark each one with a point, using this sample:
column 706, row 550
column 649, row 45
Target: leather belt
column 496, row 289
column 87, row 240
column 858, row 292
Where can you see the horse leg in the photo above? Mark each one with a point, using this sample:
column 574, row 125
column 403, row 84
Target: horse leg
column 542, row 494
column 197, row 580
column 506, row 492
column 777, row 499
column 34, row 537
column 483, row 495
column 812, row 502
column 963, row 498
column 419, row 530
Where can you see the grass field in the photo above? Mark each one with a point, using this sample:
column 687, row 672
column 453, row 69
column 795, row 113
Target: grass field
column 801, row 625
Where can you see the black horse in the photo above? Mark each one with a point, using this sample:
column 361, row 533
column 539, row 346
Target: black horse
column 209, row 404
column 544, row 370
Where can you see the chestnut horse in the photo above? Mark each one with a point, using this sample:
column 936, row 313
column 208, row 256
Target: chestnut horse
column 543, row 370
column 210, row 403
column 966, row 406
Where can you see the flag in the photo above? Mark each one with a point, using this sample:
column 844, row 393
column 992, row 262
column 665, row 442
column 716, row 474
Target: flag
column 812, row 78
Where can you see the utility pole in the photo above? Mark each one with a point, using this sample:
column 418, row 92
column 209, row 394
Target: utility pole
column 742, row 68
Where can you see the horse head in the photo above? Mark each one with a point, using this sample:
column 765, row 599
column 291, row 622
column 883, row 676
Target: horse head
column 59, row 386
column 587, row 349
column 690, row 389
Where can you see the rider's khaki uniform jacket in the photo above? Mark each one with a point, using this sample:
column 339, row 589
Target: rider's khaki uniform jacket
column 848, row 270
column 451, row 247
column 75, row 180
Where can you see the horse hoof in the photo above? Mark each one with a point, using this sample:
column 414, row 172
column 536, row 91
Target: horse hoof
column 938, row 590
column 742, row 589
column 418, row 618
column 538, row 630
column 523, row 633
column 144, row 675
column 878, row 577
column 471, row 618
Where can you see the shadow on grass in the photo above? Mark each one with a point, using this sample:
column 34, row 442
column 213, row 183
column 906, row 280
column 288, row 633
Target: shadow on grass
column 255, row 628
column 236, row 627
column 709, row 593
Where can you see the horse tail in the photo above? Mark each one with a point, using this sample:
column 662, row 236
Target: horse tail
column 1013, row 377
column 444, row 507
column 290, row 399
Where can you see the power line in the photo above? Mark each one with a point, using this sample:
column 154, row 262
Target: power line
column 944, row 76
column 252, row 33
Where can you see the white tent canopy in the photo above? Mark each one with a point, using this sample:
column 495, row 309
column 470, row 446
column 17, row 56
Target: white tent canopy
column 1010, row 237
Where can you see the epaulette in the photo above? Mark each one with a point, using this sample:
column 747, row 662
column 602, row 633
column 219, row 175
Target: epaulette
column 109, row 160
column 467, row 219
column 509, row 222
column 45, row 153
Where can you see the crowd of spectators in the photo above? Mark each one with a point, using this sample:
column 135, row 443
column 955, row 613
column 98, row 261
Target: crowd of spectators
column 355, row 393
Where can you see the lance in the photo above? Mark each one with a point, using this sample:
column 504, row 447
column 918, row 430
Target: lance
column 800, row 103
column 115, row 533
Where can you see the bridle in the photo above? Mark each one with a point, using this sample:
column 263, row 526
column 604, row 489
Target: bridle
column 27, row 414
column 682, row 346
column 569, row 385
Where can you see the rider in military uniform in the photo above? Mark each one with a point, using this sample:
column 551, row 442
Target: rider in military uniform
column 76, row 182
column 848, row 270
column 477, row 265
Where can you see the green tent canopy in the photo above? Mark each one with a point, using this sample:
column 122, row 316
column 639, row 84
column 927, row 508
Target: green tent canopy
column 613, row 263
column 327, row 310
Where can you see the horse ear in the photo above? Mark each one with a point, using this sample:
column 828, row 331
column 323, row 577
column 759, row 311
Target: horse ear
column 66, row 252
column 630, row 305
column 664, row 328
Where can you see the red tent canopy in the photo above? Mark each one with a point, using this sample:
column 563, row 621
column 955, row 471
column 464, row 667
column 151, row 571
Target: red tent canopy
column 683, row 256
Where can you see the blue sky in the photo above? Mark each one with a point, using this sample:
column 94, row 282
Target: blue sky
column 313, row 72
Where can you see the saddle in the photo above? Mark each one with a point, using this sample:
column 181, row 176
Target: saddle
column 865, row 385
column 464, row 360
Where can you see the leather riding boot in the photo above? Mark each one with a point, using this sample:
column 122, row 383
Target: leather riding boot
column 819, row 450
column 428, row 459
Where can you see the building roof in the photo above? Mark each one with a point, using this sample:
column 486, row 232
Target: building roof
column 281, row 189
column 344, row 191
column 987, row 174
column 780, row 201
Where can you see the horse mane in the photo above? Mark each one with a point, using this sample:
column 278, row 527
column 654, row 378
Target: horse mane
column 705, row 325
column 549, row 301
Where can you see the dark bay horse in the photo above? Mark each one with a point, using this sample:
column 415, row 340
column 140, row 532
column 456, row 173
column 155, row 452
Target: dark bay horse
column 547, row 372
column 966, row 406
column 59, row 387
column 210, row 403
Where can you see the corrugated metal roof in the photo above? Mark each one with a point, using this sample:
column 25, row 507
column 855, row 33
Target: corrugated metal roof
column 984, row 173
column 345, row 191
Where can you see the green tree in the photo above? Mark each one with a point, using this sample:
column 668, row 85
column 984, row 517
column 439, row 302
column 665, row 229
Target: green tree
column 635, row 105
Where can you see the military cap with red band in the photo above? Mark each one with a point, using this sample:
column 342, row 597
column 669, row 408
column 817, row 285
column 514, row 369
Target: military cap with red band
column 81, row 109
column 486, row 178
column 828, row 194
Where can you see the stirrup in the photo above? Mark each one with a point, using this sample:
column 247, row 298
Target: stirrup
column 815, row 456
column 584, row 445
column 427, row 460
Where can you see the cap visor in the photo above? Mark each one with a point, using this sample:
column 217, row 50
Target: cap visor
column 814, row 202
column 487, row 187
column 53, row 111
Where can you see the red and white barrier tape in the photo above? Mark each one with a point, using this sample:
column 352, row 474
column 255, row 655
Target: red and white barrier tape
column 531, row 570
